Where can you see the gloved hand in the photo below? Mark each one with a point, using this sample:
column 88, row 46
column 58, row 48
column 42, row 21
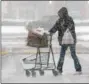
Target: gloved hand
column 46, row 32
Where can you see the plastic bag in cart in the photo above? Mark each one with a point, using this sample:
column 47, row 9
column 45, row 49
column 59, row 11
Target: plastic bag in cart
column 37, row 38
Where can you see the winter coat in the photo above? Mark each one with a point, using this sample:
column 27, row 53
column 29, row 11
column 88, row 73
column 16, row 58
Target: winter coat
column 61, row 25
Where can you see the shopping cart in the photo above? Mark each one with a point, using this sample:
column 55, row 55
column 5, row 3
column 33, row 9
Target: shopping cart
column 41, row 60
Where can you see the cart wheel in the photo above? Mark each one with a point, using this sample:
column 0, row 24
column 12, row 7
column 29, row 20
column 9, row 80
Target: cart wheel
column 41, row 72
column 33, row 73
column 55, row 73
column 27, row 73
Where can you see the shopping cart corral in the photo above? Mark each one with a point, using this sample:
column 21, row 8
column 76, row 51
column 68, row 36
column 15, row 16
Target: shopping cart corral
column 41, row 62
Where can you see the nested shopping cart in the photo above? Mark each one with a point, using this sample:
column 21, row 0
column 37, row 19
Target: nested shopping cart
column 42, row 59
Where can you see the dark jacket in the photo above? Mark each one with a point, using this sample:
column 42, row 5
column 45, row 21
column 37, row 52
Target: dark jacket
column 61, row 25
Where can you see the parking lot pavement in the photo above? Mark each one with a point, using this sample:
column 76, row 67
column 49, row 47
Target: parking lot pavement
column 17, row 74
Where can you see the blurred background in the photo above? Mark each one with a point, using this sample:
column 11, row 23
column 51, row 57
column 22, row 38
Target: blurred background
column 35, row 10
column 19, row 16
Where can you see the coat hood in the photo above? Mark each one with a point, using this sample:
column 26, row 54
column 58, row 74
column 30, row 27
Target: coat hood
column 63, row 12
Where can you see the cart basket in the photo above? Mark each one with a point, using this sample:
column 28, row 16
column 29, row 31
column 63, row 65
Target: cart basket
column 34, row 40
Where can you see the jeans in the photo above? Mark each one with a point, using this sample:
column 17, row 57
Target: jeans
column 73, row 54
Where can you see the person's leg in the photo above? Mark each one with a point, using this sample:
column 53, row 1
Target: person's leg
column 61, row 59
column 75, row 58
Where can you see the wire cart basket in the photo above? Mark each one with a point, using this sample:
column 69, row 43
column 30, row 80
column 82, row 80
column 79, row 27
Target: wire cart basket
column 41, row 61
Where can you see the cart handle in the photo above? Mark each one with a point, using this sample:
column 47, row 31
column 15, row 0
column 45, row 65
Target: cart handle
column 51, row 39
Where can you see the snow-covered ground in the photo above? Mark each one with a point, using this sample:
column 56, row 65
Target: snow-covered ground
column 13, row 29
column 22, row 29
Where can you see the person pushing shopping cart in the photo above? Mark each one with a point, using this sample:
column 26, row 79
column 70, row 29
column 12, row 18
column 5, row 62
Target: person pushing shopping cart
column 67, row 38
